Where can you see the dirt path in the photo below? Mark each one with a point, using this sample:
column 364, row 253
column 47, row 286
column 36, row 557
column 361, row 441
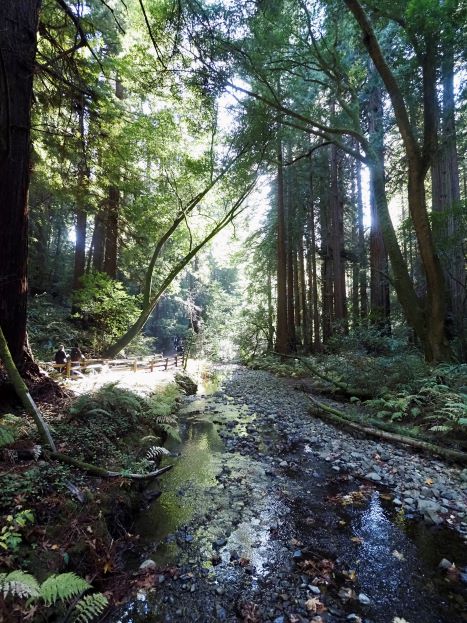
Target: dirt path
column 268, row 516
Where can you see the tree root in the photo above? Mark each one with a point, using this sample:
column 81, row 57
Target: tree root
column 344, row 389
column 94, row 470
column 339, row 417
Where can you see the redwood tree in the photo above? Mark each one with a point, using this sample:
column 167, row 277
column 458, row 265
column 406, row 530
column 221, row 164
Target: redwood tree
column 18, row 28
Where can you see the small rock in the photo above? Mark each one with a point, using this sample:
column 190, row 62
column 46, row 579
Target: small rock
column 279, row 620
column 354, row 618
column 364, row 599
column 445, row 564
column 147, row 565
column 314, row 589
column 373, row 476
column 220, row 542
column 397, row 502
column 298, row 554
column 283, row 464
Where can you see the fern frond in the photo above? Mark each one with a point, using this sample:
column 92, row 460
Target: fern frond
column 89, row 607
column 155, row 452
column 166, row 419
column 62, row 587
column 18, row 584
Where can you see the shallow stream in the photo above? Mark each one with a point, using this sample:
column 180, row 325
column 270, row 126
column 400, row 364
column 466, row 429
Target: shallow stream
column 249, row 513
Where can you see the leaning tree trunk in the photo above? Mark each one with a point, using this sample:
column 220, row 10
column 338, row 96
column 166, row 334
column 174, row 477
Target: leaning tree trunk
column 18, row 28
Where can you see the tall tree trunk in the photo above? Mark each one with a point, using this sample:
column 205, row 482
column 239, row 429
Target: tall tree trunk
column 327, row 283
column 98, row 243
column 270, row 310
column 282, row 342
column 18, row 28
column 313, row 272
column 81, row 215
column 362, row 256
column 337, row 243
column 297, row 299
column 446, row 201
column 111, row 233
column 379, row 268
column 113, row 206
column 305, row 315
column 290, row 250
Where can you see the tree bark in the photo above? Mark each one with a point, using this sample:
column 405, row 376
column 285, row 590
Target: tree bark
column 446, row 202
column 282, row 342
column 379, row 268
column 18, row 28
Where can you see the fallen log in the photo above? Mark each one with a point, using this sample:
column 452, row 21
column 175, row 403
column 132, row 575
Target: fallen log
column 339, row 417
column 95, row 470
column 347, row 391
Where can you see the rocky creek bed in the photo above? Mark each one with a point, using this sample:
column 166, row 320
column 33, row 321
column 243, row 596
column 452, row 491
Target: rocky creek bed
column 272, row 515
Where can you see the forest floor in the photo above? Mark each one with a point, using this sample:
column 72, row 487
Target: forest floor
column 272, row 515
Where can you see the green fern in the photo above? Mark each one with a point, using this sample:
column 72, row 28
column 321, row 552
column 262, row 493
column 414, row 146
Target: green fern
column 156, row 452
column 62, row 587
column 9, row 429
column 19, row 584
column 89, row 607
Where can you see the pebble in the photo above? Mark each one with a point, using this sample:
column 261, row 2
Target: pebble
column 147, row 564
column 373, row 476
column 364, row 599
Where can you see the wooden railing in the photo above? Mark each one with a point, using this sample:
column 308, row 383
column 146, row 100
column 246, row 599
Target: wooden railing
column 156, row 362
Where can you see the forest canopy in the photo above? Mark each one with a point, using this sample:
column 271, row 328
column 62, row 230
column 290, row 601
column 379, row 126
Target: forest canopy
column 133, row 133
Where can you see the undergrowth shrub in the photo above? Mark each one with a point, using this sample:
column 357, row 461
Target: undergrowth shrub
column 106, row 423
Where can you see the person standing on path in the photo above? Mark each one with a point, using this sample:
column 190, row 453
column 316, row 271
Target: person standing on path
column 61, row 358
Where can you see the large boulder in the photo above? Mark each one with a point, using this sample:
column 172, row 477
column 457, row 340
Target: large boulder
column 186, row 383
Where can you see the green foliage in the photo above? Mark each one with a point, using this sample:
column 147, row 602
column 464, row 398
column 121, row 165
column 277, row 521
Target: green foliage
column 62, row 587
column 89, row 607
column 10, row 534
column 158, row 411
column 19, row 584
column 9, row 428
column 106, row 310
column 49, row 325
column 35, row 482
column 56, row 590
column 110, row 402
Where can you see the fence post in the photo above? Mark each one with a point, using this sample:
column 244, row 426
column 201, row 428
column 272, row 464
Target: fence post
column 176, row 361
column 166, row 363
column 151, row 365
column 68, row 369
column 135, row 365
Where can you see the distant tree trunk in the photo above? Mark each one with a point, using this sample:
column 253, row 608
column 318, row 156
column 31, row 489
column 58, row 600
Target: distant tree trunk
column 270, row 310
column 362, row 256
column 313, row 273
column 98, row 243
column 305, row 315
column 18, row 28
column 290, row 248
column 327, row 282
column 379, row 268
column 282, row 342
column 446, row 201
column 112, row 216
column 111, row 233
column 81, row 215
column 337, row 244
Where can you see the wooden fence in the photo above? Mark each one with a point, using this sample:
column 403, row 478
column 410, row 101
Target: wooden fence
column 156, row 362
